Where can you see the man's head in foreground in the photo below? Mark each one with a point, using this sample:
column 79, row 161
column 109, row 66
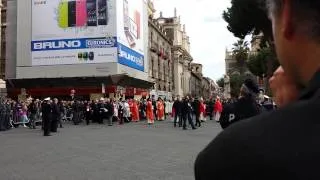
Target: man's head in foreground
column 296, row 30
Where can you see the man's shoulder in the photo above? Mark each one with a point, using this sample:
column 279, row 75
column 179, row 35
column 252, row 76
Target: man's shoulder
column 271, row 120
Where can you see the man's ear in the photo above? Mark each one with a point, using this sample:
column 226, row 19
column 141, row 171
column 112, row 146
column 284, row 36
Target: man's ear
column 288, row 28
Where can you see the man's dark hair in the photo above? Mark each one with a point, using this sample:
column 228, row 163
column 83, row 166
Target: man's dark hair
column 305, row 15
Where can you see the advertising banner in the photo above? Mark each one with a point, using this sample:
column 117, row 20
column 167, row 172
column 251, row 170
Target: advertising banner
column 130, row 33
column 73, row 32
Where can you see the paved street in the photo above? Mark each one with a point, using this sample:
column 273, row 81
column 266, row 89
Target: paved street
column 129, row 152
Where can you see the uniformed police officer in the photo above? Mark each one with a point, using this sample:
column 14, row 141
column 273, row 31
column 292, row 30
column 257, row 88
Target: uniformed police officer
column 245, row 107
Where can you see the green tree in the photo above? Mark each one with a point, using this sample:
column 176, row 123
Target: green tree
column 236, row 81
column 258, row 63
column 240, row 53
column 220, row 82
column 246, row 17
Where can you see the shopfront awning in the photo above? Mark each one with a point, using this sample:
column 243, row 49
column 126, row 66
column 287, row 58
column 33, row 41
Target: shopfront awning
column 123, row 80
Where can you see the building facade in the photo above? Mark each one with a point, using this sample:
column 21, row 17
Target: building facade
column 196, row 87
column 50, row 56
column 159, row 58
column 180, row 52
column 206, row 88
column 3, row 22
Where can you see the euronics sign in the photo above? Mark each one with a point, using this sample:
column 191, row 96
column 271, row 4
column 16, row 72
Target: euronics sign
column 87, row 31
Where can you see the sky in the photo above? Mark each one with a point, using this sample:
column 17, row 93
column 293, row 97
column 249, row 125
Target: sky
column 209, row 36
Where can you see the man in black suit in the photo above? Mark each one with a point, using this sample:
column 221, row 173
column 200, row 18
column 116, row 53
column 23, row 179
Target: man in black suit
column 46, row 109
column 56, row 114
column 177, row 106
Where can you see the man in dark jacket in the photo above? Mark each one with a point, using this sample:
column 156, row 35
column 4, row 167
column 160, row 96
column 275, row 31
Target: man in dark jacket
column 282, row 144
column 33, row 112
column 244, row 107
column 196, row 110
column 95, row 111
column 177, row 106
column 2, row 114
column 56, row 114
column 186, row 113
column 110, row 112
column 76, row 109
column 154, row 105
column 210, row 105
column 46, row 109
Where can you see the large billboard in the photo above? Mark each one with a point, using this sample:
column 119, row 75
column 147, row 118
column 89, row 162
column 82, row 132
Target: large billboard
column 73, row 32
column 130, row 33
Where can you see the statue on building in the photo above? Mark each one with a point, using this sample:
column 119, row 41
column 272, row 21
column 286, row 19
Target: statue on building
column 227, row 89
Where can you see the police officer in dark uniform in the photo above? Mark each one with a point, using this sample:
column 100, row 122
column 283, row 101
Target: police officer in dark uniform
column 245, row 107
column 46, row 109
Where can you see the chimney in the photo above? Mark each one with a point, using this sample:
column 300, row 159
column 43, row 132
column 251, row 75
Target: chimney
column 160, row 14
column 175, row 12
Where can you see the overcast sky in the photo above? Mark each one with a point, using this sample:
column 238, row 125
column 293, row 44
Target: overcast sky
column 207, row 30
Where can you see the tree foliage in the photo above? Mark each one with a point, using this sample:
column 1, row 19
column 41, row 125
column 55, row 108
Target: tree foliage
column 236, row 81
column 240, row 52
column 220, row 82
column 248, row 17
column 259, row 62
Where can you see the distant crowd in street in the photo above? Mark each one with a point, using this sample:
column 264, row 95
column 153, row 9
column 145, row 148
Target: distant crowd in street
column 53, row 113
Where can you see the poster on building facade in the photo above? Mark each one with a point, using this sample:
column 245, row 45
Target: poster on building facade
column 73, row 32
column 130, row 33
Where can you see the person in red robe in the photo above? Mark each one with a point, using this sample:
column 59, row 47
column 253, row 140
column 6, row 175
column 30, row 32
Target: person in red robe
column 217, row 109
column 160, row 109
column 149, row 112
column 135, row 111
column 202, row 110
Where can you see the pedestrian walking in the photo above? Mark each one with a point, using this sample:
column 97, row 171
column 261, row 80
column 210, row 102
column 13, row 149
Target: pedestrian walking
column 46, row 109
column 187, row 113
column 149, row 112
column 177, row 106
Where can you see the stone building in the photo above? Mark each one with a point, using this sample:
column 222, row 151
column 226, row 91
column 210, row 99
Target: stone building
column 207, row 87
column 180, row 52
column 196, row 85
column 160, row 58
column 3, row 6
column 230, row 63
column 196, row 80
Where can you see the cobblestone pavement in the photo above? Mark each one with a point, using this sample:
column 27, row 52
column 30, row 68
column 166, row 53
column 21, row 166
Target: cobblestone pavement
column 97, row 152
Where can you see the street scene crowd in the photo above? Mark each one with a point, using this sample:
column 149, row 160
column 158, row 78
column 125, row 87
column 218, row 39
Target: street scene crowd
column 53, row 113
